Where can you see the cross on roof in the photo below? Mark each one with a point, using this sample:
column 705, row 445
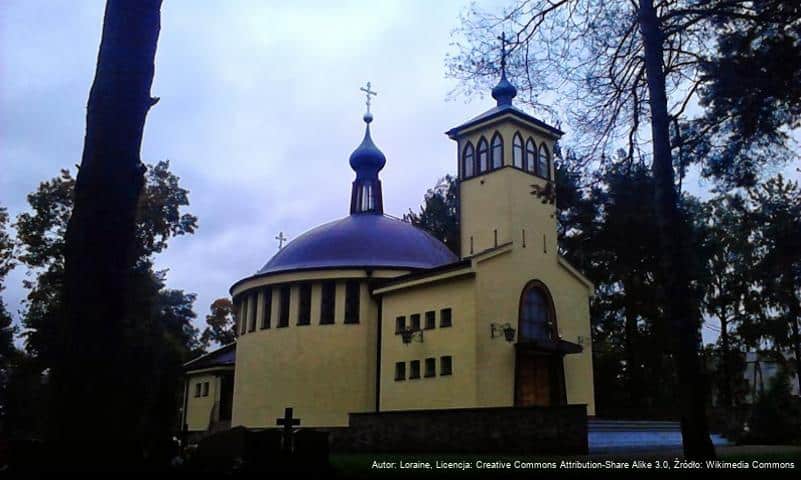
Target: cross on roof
column 502, row 38
column 287, row 422
column 281, row 239
column 368, row 93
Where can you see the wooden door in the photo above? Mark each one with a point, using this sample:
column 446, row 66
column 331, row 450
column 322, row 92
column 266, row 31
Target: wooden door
column 532, row 380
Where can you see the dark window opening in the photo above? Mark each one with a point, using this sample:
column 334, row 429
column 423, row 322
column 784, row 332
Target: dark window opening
column 531, row 155
column 252, row 298
column 483, row 153
column 431, row 367
column 431, row 320
column 304, row 306
column 283, row 311
column 400, row 371
column 517, row 151
column 414, row 369
column 544, row 162
column 468, row 164
column 267, row 303
column 535, row 316
column 352, row 302
column 415, row 320
column 205, row 389
column 198, row 387
column 445, row 365
column 400, row 324
column 497, row 151
column 445, row 317
column 328, row 303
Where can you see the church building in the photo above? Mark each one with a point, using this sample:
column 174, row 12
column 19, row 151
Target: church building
column 368, row 313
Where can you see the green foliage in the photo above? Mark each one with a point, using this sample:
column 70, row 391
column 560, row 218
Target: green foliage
column 160, row 323
column 8, row 352
column 776, row 417
column 221, row 323
column 438, row 214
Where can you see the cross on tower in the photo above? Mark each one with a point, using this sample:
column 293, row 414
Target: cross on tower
column 287, row 422
column 368, row 93
column 502, row 38
column 281, row 239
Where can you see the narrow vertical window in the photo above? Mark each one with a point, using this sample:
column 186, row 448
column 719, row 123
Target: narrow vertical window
column 267, row 305
column 304, row 305
column 445, row 365
column 352, row 301
column 468, row 161
column 328, row 302
column 531, row 155
column 414, row 369
column 240, row 315
column 400, row 324
column 431, row 320
column 517, row 151
column 483, row 153
column 445, row 317
column 243, row 318
column 544, row 162
column 431, row 367
column 252, row 299
column 198, row 387
column 205, row 389
column 283, row 307
column 497, row 151
column 415, row 319
column 400, row 371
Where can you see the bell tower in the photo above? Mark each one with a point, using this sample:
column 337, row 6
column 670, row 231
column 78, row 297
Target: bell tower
column 506, row 176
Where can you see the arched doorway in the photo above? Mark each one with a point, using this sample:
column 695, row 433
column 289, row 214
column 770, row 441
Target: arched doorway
column 539, row 372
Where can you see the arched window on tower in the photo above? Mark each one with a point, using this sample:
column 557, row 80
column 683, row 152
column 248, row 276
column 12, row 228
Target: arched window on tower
column 483, row 153
column 531, row 155
column 468, row 163
column 536, row 314
column 517, row 150
column 497, row 151
column 544, row 162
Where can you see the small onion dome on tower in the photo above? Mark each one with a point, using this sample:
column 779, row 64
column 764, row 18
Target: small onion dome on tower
column 367, row 160
column 504, row 91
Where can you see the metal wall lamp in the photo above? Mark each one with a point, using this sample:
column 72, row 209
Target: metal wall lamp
column 409, row 334
column 506, row 328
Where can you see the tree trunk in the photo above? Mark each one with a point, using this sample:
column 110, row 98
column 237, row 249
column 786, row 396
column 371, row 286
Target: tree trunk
column 678, row 309
column 726, row 394
column 631, row 344
column 96, row 409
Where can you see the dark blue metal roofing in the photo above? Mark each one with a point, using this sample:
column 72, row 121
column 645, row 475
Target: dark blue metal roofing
column 361, row 241
column 222, row 357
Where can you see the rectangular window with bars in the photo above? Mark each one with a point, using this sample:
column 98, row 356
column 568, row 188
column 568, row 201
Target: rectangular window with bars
column 415, row 320
column 431, row 320
column 283, row 307
column 445, row 365
column 431, row 367
column 352, row 301
column 267, row 306
column 304, row 305
column 400, row 371
column 445, row 318
column 414, row 369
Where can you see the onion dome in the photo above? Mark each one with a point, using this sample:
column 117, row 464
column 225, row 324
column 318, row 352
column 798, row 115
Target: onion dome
column 367, row 160
column 504, row 91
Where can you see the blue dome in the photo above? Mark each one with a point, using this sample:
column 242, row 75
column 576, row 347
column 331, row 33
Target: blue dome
column 367, row 159
column 504, row 91
column 362, row 241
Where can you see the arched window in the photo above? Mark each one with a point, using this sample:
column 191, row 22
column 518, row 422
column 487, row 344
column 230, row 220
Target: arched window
column 536, row 314
column 531, row 155
column 497, row 151
column 544, row 162
column 467, row 161
column 517, row 150
column 483, row 153
column 367, row 198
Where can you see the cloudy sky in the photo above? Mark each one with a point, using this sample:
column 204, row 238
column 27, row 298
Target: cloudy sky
column 260, row 109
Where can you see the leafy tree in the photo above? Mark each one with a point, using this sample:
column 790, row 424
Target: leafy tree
column 162, row 332
column 8, row 352
column 221, row 323
column 775, row 208
column 438, row 214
